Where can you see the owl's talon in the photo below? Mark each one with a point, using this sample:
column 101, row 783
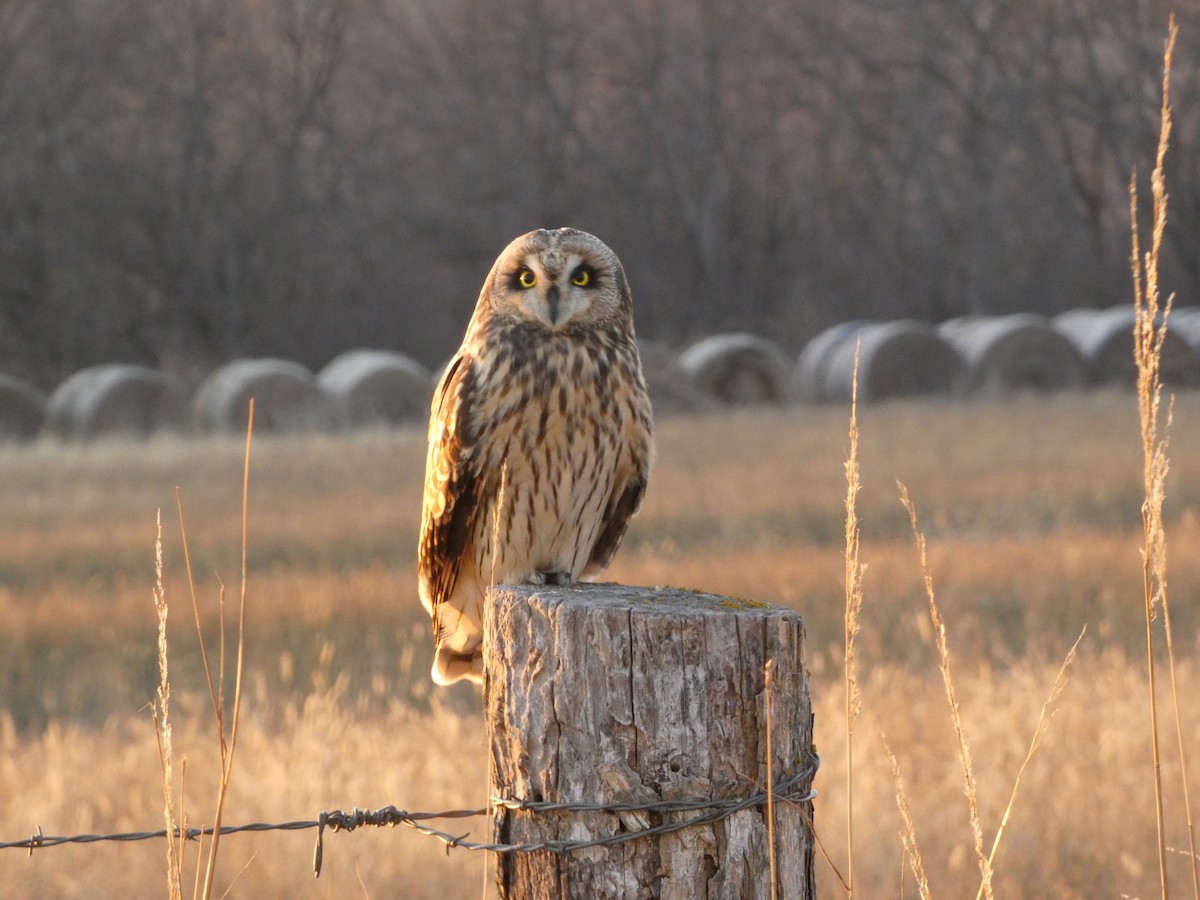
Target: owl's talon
column 554, row 577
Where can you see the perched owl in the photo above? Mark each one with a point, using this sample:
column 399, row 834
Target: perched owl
column 539, row 438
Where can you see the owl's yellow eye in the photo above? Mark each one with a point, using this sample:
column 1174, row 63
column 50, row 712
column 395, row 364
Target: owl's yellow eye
column 582, row 277
column 526, row 278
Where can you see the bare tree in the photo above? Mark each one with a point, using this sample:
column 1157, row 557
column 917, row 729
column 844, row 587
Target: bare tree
column 182, row 183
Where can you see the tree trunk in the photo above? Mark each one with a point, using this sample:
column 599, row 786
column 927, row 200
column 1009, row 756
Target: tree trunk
column 612, row 694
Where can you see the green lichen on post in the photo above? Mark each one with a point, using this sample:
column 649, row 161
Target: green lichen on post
column 742, row 603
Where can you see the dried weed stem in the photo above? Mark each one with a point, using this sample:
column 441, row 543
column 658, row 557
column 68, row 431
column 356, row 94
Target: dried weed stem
column 161, row 712
column 1047, row 713
column 854, row 598
column 909, row 835
column 964, row 750
column 1149, row 333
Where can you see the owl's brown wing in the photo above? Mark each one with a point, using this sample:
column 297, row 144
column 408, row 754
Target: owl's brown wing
column 451, row 485
column 620, row 509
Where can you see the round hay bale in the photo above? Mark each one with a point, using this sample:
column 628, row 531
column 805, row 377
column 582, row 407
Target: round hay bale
column 286, row 398
column 1185, row 321
column 671, row 390
column 896, row 359
column 374, row 387
column 950, row 327
column 114, row 399
column 1068, row 318
column 737, row 369
column 808, row 377
column 22, row 409
column 1104, row 338
column 1021, row 352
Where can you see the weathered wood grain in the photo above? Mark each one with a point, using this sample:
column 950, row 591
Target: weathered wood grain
column 608, row 693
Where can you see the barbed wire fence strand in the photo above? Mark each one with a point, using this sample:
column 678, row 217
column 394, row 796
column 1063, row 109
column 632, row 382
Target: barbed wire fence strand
column 790, row 789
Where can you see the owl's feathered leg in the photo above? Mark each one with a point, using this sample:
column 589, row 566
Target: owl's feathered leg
column 449, row 667
column 458, row 646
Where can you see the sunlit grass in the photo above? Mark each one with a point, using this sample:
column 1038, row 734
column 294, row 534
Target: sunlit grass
column 1027, row 506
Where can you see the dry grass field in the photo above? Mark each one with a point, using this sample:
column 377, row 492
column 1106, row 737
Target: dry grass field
column 1031, row 507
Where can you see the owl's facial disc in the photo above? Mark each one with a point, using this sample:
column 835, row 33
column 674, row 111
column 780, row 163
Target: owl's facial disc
column 553, row 291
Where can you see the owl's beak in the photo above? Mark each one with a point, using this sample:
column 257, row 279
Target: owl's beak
column 552, row 297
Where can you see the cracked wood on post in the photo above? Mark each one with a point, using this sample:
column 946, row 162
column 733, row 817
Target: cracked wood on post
column 607, row 693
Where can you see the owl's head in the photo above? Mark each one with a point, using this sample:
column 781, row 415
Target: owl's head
column 558, row 279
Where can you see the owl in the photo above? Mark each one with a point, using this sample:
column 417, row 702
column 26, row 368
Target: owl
column 540, row 439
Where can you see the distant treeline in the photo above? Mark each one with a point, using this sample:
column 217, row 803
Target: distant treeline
column 187, row 183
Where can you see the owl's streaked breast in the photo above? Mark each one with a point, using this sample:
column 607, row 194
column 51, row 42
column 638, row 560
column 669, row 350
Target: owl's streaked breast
column 558, row 459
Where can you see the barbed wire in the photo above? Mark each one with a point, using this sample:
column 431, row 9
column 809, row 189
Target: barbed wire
column 709, row 811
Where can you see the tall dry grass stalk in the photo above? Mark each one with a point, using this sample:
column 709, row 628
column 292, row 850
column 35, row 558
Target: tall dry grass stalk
column 1047, row 713
column 1149, row 333
column 229, row 746
column 162, row 722
column 909, row 835
column 854, row 598
column 768, row 688
column 498, row 516
column 964, row 750
column 226, row 737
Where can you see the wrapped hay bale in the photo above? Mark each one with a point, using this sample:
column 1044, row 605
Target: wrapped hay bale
column 948, row 328
column 22, row 409
column 737, row 369
column 808, row 378
column 286, row 398
column 1104, row 338
column 1185, row 321
column 1021, row 352
column 671, row 390
column 374, row 387
column 896, row 359
column 114, row 399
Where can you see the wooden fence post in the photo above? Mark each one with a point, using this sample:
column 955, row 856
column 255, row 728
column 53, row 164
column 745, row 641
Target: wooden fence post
column 607, row 694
